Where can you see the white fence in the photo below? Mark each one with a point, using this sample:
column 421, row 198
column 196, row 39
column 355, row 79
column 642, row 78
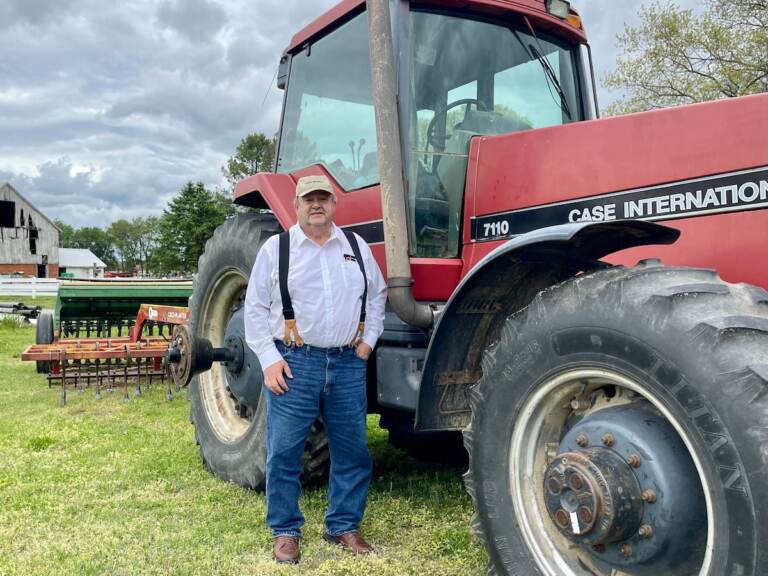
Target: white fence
column 32, row 287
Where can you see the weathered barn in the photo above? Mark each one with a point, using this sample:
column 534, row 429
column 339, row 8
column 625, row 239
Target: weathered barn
column 29, row 240
column 80, row 263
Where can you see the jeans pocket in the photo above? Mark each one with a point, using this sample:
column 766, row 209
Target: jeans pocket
column 284, row 350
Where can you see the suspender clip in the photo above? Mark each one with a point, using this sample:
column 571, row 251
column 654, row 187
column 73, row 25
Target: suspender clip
column 290, row 329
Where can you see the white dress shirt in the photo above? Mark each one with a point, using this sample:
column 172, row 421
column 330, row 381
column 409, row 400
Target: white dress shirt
column 326, row 289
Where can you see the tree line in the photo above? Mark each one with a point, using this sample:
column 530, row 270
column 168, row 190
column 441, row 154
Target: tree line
column 172, row 242
column 672, row 57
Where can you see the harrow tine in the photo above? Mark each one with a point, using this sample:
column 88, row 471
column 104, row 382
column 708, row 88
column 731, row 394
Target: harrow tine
column 50, row 366
column 110, row 377
column 98, row 380
column 63, row 396
column 165, row 378
column 138, row 377
column 78, row 374
column 126, row 398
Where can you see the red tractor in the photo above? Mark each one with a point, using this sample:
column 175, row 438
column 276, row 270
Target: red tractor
column 615, row 410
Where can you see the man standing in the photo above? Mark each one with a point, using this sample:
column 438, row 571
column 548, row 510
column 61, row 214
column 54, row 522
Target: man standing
column 312, row 316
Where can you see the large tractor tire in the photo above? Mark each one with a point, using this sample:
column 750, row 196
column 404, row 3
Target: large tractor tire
column 621, row 427
column 232, row 435
column 44, row 335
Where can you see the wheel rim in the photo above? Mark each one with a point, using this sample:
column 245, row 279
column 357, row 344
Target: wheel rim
column 539, row 424
column 224, row 297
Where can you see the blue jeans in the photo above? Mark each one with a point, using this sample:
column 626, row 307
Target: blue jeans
column 330, row 383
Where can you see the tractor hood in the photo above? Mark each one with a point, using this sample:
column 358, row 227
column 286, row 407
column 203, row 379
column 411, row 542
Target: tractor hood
column 702, row 169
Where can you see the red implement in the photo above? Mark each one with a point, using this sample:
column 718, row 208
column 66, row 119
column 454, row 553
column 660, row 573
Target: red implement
column 107, row 361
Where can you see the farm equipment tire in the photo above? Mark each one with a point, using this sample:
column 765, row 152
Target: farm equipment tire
column 44, row 335
column 232, row 437
column 621, row 425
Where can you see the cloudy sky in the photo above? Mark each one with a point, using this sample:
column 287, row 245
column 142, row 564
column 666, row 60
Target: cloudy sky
column 107, row 108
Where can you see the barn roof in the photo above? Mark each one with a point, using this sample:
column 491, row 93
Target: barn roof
column 78, row 258
column 20, row 195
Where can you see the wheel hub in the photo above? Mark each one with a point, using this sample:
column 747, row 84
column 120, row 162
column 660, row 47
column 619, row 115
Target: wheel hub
column 592, row 496
column 623, row 487
column 243, row 372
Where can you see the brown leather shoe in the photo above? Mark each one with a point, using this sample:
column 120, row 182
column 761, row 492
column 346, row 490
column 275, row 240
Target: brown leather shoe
column 351, row 541
column 286, row 550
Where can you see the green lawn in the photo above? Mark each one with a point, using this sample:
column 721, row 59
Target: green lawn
column 105, row 487
column 42, row 301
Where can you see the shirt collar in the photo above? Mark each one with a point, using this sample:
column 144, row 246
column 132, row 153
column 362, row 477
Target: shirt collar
column 296, row 230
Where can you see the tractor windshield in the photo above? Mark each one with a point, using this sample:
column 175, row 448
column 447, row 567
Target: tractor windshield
column 329, row 117
column 469, row 77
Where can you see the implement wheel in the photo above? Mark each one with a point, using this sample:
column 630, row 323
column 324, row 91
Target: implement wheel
column 44, row 335
column 230, row 432
column 621, row 426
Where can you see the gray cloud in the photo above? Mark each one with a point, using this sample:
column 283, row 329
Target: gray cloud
column 106, row 109
column 194, row 19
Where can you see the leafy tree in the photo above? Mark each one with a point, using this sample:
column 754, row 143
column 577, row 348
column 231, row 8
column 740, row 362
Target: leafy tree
column 97, row 241
column 136, row 242
column 187, row 223
column 147, row 235
column 123, row 237
column 66, row 234
column 255, row 153
column 677, row 57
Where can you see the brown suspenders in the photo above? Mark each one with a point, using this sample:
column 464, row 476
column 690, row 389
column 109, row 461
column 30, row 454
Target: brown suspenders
column 284, row 260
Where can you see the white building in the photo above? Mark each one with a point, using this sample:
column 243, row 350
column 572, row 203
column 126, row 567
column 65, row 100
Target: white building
column 81, row 263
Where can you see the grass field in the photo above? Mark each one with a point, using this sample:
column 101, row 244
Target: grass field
column 42, row 301
column 106, row 487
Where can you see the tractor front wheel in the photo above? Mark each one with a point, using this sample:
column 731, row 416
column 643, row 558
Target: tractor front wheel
column 620, row 427
column 227, row 410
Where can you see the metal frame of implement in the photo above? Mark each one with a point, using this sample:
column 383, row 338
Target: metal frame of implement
column 109, row 362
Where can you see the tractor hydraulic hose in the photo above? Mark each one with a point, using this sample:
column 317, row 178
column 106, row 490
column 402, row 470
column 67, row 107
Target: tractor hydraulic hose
column 389, row 154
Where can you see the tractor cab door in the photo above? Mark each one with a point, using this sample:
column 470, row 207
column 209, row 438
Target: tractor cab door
column 467, row 77
column 328, row 117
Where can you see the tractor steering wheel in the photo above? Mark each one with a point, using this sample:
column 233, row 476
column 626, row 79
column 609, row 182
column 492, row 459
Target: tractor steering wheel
column 439, row 143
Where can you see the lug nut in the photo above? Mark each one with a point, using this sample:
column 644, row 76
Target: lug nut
column 582, row 440
column 576, row 481
column 649, row 496
column 634, row 461
column 608, row 440
column 645, row 531
column 554, row 486
column 561, row 518
column 625, row 550
column 585, row 515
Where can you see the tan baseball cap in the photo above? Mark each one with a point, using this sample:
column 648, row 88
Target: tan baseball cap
column 307, row 184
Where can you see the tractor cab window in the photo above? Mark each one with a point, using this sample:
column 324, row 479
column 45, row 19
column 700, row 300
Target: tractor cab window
column 467, row 78
column 329, row 116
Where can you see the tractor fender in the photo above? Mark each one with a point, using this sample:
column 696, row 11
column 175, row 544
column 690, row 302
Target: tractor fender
column 267, row 190
column 502, row 283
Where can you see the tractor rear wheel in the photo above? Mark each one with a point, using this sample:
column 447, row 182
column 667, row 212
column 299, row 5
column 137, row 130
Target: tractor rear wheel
column 44, row 335
column 620, row 427
column 232, row 434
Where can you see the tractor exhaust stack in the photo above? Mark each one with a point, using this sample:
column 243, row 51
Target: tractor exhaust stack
column 399, row 280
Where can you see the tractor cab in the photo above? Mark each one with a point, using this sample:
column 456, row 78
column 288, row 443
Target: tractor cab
column 483, row 70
